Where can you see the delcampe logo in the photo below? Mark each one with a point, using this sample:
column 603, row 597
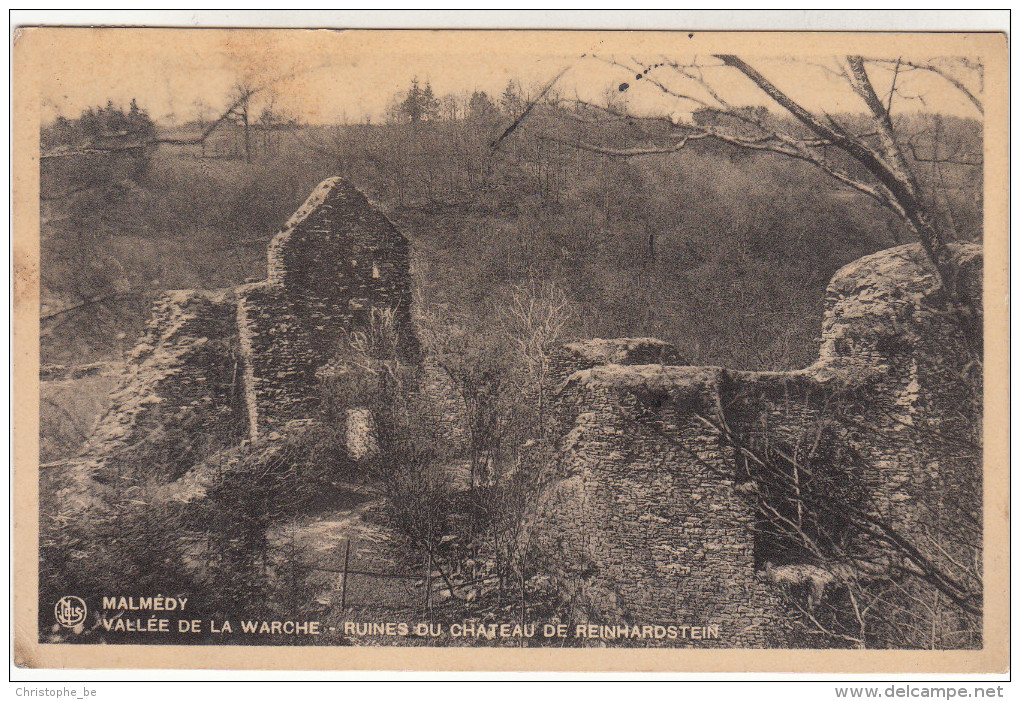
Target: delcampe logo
column 70, row 611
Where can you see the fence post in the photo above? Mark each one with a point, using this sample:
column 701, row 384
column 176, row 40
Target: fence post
column 428, row 587
column 524, row 602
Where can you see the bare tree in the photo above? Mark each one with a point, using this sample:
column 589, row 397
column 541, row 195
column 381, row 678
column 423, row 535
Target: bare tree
column 242, row 94
column 535, row 317
column 873, row 161
column 916, row 589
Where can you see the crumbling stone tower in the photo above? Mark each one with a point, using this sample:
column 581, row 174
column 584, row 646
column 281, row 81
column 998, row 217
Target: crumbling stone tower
column 216, row 368
column 642, row 518
column 335, row 260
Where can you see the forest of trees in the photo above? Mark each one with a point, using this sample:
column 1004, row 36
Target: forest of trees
column 420, row 104
column 108, row 126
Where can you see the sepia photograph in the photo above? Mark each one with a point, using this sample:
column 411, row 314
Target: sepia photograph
column 543, row 343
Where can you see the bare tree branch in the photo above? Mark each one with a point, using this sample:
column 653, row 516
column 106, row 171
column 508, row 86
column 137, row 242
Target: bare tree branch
column 527, row 109
column 116, row 297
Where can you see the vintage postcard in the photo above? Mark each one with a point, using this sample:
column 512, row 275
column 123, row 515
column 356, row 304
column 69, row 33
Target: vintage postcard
column 547, row 350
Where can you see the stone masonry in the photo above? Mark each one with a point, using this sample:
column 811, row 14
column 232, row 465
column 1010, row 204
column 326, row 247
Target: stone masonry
column 644, row 516
column 335, row 260
column 642, row 520
column 216, row 368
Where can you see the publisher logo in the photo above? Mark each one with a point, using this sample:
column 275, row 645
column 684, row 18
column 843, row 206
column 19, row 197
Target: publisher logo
column 70, row 611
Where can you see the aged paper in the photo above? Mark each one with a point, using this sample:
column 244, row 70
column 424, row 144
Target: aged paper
column 500, row 350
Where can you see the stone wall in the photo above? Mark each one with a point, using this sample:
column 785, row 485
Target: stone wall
column 647, row 516
column 178, row 397
column 217, row 368
column 568, row 358
column 450, row 409
column 640, row 526
column 336, row 260
column 644, row 517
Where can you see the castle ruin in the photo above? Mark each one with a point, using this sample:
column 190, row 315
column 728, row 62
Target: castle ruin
column 646, row 515
column 238, row 364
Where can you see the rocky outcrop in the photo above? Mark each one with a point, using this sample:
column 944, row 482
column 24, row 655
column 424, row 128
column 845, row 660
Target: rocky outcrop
column 177, row 399
column 643, row 518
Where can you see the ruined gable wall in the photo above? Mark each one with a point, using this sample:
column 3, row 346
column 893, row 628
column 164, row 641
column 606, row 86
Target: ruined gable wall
column 335, row 260
column 638, row 456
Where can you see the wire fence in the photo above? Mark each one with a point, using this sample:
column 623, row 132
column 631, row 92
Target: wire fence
column 362, row 588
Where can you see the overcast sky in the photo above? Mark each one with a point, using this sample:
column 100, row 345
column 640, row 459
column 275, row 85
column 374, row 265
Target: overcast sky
column 323, row 76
